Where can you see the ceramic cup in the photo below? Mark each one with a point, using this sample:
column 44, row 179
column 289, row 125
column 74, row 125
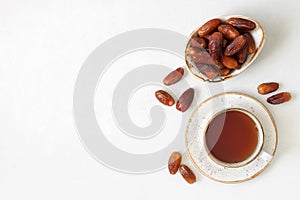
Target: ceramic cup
column 257, row 150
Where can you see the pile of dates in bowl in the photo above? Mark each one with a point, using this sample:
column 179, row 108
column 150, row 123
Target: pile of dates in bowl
column 223, row 47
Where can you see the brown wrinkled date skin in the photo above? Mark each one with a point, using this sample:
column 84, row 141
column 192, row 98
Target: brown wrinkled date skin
column 174, row 76
column 242, row 55
column 224, row 72
column 208, row 27
column 235, row 46
column 219, row 64
column 192, row 51
column 225, row 42
column 228, row 44
column 241, row 24
column 198, row 42
column 185, row 100
column 215, row 45
column 164, row 97
column 229, row 62
column 228, row 31
column 174, row 162
column 200, row 56
column 250, row 43
column 208, row 70
column 266, row 88
column 279, row 98
column 187, row 174
column 202, row 60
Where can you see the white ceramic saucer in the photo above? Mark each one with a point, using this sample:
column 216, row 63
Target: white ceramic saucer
column 195, row 137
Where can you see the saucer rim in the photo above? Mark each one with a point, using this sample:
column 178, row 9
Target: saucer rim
column 244, row 179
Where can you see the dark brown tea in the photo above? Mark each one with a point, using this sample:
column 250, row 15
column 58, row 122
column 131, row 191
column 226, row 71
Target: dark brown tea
column 231, row 136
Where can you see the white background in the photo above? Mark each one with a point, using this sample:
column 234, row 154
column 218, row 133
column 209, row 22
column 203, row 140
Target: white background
column 42, row 47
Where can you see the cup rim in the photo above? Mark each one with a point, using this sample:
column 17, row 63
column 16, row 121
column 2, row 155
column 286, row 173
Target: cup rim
column 210, row 169
column 254, row 154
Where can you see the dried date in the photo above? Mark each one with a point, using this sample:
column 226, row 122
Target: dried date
column 228, row 31
column 208, row 27
column 215, row 45
column 225, row 71
column 242, row 54
column 174, row 76
column 250, row 43
column 185, row 100
column 174, row 162
column 210, row 71
column 279, row 98
column 198, row 42
column 235, row 46
column 164, row 97
column 187, row 174
column 229, row 62
column 241, row 24
column 266, row 88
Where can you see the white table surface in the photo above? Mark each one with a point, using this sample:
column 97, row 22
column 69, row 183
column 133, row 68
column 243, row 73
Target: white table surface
column 43, row 45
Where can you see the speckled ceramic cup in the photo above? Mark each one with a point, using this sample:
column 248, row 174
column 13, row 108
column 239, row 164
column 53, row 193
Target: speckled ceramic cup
column 258, row 148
